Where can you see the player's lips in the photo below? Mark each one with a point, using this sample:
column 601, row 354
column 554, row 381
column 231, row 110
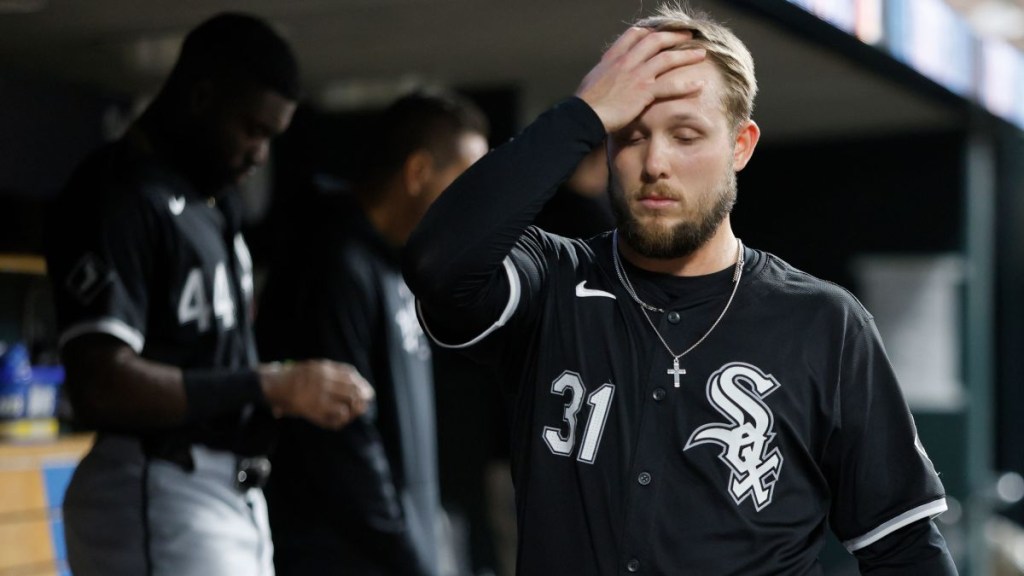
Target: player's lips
column 657, row 202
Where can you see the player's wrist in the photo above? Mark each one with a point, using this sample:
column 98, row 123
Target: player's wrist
column 273, row 380
column 211, row 393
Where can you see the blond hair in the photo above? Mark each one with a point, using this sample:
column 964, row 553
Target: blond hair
column 724, row 49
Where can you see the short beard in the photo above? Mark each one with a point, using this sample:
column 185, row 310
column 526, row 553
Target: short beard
column 682, row 239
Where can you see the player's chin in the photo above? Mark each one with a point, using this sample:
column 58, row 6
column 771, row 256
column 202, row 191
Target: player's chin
column 657, row 225
column 653, row 233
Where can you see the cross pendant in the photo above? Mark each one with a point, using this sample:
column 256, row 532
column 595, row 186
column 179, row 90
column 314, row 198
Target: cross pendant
column 675, row 371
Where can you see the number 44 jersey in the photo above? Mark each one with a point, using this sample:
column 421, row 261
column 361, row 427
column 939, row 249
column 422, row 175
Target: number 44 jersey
column 138, row 254
column 786, row 420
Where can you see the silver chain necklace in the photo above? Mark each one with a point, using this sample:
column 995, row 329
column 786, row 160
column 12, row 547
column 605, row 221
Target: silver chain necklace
column 620, row 270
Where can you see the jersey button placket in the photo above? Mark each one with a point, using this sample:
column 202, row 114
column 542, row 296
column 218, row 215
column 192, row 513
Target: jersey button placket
column 656, row 424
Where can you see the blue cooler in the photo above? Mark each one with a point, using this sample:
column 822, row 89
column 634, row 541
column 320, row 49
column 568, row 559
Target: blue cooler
column 28, row 395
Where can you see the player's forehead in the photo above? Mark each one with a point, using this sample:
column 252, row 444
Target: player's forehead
column 705, row 107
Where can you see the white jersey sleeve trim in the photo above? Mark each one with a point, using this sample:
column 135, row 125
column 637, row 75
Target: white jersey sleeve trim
column 928, row 510
column 514, row 294
column 110, row 326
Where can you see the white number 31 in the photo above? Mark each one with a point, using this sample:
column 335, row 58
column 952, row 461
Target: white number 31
column 600, row 401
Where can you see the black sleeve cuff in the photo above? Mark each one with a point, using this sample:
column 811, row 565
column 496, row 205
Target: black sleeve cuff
column 213, row 393
column 915, row 549
column 592, row 131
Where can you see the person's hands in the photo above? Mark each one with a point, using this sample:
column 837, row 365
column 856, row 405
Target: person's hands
column 635, row 71
column 328, row 394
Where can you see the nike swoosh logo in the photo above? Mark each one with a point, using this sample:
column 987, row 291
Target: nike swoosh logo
column 176, row 204
column 583, row 292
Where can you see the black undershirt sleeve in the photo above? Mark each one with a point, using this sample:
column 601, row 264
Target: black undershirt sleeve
column 453, row 260
column 212, row 393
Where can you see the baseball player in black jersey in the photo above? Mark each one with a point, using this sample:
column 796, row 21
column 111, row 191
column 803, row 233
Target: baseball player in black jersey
column 681, row 403
column 364, row 500
column 153, row 289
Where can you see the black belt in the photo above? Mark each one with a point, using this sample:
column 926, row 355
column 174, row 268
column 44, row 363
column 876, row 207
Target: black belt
column 252, row 472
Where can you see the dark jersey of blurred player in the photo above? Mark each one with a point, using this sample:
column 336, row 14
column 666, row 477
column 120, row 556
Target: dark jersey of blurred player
column 168, row 273
column 337, row 501
column 365, row 499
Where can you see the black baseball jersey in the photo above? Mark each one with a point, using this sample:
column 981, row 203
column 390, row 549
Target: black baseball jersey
column 363, row 499
column 787, row 420
column 136, row 252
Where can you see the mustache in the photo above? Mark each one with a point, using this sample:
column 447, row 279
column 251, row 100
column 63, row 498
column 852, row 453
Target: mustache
column 658, row 190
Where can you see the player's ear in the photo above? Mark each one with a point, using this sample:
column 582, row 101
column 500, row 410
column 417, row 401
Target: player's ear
column 416, row 171
column 747, row 135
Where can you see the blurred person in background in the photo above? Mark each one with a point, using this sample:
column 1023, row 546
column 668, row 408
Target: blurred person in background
column 364, row 500
column 472, row 454
column 580, row 208
column 153, row 289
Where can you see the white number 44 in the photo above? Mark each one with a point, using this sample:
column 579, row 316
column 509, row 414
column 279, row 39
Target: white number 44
column 600, row 401
column 193, row 305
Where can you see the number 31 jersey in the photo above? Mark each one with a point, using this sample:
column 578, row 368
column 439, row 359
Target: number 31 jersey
column 788, row 417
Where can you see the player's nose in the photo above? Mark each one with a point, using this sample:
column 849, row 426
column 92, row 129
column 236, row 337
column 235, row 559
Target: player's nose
column 260, row 153
column 655, row 158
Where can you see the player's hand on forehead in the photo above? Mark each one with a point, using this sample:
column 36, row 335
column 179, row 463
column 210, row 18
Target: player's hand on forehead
column 637, row 70
column 679, row 81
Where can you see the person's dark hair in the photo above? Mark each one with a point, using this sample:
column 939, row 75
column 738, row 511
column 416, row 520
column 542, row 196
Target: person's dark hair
column 239, row 49
column 424, row 120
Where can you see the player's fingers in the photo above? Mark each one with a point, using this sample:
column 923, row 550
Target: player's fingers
column 331, row 413
column 670, row 60
column 366, row 392
column 356, row 403
column 652, row 45
column 676, row 85
column 359, row 408
column 348, row 395
column 625, row 42
column 336, row 390
column 338, row 416
column 345, row 382
column 356, row 381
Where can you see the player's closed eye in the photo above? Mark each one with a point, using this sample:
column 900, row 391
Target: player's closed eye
column 685, row 134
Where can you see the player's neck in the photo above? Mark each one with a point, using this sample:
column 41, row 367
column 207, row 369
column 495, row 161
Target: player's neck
column 387, row 218
column 162, row 133
column 717, row 254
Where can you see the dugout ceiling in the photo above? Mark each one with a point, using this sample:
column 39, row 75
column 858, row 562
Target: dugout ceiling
column 354, row 51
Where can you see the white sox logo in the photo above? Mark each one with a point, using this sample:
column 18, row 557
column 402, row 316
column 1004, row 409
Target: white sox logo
column 736, row 390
